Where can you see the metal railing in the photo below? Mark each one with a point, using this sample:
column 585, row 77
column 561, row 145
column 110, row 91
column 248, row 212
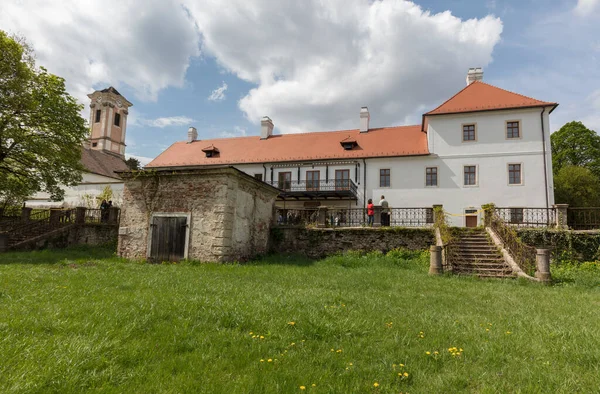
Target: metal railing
column 332, row 185
column 583, row 218
column 296, row 217
column 411, row 217
column 346, row 217
column 524, row 255
column 527, row 217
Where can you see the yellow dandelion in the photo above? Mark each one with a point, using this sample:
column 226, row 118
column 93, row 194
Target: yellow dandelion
column 401, row 365
column 339, row 351
column 262, row 361
column 292, row 344
column 253, row 336
column 333, row 350
column 508, row 332
column 375, row 384
column 428, row 353
column 487, row 329
column 270, row 360
column 405, row 374
column 262, row 337
column 251, row 333
column 436, row 352
column 314, row 385
column 302, row 387
column 461, row 349
column 292, row 323
column 349, row 363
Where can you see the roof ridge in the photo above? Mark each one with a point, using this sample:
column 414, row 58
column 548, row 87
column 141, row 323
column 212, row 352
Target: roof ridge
column 518, row 94
column 456, row 94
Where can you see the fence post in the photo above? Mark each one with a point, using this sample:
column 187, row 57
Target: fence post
column 113, row 215
column 322, row 217
column 55, row 216
column 561, row 215
column 438, row 209
column 542, row 262
column 80, row 215
column 377, row 218
column 3, row 242
column 25, row 214
column 435, row 260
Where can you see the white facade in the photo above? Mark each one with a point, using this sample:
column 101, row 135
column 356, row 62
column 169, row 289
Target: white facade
column 490, row 153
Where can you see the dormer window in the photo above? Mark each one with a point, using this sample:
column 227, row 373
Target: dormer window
column 211, row 151
column 348, row 143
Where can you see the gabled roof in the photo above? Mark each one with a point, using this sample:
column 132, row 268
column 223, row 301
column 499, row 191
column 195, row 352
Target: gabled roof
column 111, row 90
column 102, row 163
column 480, row 96
column 379, row 142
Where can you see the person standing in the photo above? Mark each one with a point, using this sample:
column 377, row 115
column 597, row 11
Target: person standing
column 385, row 211
column 370, row 213
column 104, row 212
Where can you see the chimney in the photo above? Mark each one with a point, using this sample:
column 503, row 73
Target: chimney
column 364, row 119
column 474, row 74
column 266, row 128
column 192, row 135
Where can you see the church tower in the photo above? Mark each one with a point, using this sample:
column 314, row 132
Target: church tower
column 108, row 121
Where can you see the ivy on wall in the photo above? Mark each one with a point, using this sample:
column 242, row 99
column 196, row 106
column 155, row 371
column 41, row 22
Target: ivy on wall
column 567, row 246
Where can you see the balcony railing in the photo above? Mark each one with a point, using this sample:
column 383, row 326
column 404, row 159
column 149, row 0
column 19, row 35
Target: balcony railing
column 335, row 188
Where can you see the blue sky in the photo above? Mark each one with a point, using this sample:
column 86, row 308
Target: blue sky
column 220, row 66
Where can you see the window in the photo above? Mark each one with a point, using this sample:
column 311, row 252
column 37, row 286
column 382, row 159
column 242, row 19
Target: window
column 98, row 113
column 209, row 153
column 94, row 144
column 470, row 173
column 117, row 119
column 516, row 215
column 285, row 180
column 431, row 176
column 384, row 178
column 513, row 130
column 469, row 132
column 514, row 174
column 312, row 180
column 258, row 176
column 342, row 179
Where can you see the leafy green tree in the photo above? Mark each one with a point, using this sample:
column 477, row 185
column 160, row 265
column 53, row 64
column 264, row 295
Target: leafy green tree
column 575, row 145
column 133, row 163
column 41, row 129
column 577, row 186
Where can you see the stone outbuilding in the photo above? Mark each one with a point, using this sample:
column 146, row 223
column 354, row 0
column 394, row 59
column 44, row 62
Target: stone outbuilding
column 213, row 214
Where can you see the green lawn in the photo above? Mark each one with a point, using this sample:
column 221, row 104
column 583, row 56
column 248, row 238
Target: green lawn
column 82, row 320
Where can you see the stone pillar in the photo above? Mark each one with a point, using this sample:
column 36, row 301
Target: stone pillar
column 322, row 217
column 488, row 213
column 377, row 218
column 561, row 215
column 542, row 262
column 80, row 215
column 55, row 215
column 3, row 242
column 113, row 215
column 25, row 214
column 438, row 209
column 435, row 260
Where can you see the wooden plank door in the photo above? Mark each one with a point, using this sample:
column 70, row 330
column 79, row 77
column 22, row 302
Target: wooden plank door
column 471, row 220
column 168, row 238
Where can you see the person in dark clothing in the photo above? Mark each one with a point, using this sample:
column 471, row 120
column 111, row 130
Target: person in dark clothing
column 104, row 211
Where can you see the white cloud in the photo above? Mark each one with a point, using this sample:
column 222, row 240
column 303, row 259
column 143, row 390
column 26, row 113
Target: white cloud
column 586, row 7
column 142, row 159
column 316, row 62
column 164, row 122
column 237, row 132
column 219, row 93
column 144, row 44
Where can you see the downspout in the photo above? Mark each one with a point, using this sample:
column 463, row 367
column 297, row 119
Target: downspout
column 544, row 155
column 265, row 172
column 364, row 183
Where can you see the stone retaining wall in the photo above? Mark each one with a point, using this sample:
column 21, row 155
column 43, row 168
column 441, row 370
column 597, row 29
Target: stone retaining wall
column 321, row 242
column 565, row 245
column 86, row 234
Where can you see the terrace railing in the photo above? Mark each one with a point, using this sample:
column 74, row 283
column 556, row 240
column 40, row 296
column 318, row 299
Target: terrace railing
column 296, row 217
column 333, row 187
column 583, row 218
column 527, row 217
column 411, row 217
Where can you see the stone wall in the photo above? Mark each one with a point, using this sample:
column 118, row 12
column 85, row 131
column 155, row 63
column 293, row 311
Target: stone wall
column 85, row 234
column 317, row 243
column 230, row 212
column 565, row 245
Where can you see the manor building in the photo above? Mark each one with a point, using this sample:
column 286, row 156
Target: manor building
column 482, row 145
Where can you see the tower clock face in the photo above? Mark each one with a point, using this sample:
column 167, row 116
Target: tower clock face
column 119, row 103
column 99, row 99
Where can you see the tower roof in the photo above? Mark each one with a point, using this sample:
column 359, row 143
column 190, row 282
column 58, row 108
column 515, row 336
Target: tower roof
column 110, row 89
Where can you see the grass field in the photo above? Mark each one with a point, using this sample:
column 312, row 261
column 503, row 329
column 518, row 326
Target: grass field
column 81, row 320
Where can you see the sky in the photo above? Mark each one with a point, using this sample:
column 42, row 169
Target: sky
column 221, row 65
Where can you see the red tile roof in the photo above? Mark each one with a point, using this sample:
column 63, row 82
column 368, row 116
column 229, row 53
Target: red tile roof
column 379, row 142
column 480, row 96
column 102, row 163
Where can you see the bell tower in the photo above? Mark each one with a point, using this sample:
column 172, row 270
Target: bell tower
column 108, row 121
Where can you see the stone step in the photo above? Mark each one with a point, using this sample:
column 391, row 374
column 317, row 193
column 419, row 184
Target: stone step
column 475, row 248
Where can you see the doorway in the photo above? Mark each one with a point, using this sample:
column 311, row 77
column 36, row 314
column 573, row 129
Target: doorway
column 169, row 235
column 471, row 218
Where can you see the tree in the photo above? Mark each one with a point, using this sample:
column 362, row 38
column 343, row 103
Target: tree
column 577, row 186
column 575, row 145
column 133, row 163
column 41, row 129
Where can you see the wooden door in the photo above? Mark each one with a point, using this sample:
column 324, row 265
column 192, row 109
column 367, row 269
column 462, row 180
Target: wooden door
column 168, row 238
column 312, row 180
column 342, row 179
column 471, row 220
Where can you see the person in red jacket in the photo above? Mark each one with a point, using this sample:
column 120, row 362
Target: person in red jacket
column 370, row 212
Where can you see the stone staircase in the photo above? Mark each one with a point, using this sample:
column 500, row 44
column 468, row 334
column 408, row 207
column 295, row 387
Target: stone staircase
column 476, row 254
